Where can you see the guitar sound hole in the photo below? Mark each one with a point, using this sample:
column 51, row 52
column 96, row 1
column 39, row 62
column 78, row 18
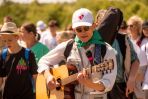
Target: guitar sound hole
column 58, row 88
column 59, row 81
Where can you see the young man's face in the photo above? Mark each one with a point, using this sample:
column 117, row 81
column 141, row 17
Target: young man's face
column 84, row 33
column 10, row 40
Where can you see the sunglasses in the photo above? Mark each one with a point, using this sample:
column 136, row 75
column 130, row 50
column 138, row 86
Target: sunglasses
column 84, row 28
column 131, row 26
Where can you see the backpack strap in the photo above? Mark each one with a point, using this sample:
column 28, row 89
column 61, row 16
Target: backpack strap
column 27, row 51
column 100, row 51
column 68, row 48
column 103, row 50
column 121, row 40
column 4, row 53
column 27, row 55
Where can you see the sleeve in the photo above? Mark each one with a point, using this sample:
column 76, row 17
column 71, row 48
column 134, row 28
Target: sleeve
column 52, row 58
column 32, row 63
column 109, row 79
column 133, row 53
column 142, row 58
column 143, row 55
column 46, row 50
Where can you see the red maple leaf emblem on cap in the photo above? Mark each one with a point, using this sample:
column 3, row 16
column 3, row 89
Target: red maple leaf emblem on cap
column 81, row 17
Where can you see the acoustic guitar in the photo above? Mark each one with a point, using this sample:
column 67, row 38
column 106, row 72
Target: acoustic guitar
column 64, row 77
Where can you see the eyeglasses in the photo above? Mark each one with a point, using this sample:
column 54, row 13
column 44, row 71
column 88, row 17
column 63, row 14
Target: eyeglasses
column 131, row 26
column 84, row 28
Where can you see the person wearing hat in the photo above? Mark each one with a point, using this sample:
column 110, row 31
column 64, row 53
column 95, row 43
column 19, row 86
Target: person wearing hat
column 85, row 53
column 15, row 68
column 41, row 26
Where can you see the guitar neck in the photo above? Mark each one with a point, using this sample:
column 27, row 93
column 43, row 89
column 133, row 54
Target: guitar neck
column 69, row 79
column 73, row 77
column 105, row 66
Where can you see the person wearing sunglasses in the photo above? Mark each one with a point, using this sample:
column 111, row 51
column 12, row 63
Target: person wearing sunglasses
column 135, row 28
column 91, row 84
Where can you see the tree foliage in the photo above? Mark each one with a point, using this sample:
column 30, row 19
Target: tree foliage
column 63, row 12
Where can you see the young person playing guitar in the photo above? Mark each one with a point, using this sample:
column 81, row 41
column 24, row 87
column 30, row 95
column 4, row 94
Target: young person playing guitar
column 85, row 53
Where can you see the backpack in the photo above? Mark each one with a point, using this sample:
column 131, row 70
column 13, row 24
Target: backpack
column 70, row 45
column 5, row 50
column 110, row 24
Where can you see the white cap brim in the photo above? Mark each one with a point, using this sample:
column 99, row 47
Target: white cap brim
column 74, row 25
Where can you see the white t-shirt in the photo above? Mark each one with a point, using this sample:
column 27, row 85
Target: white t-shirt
column 144, row 48
column 48, row 40
column 141, row 55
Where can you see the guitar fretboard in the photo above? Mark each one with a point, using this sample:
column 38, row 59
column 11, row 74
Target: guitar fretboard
column 102, row 67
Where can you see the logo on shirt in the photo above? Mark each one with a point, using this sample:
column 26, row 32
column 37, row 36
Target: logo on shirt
column 22, row 66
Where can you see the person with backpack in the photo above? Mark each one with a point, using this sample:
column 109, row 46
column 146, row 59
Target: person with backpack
column 125, row 55
column 18, row 66
column 87, row 51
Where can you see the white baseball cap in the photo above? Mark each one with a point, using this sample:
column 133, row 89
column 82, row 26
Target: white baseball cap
column 82, row 17
column 41, row 25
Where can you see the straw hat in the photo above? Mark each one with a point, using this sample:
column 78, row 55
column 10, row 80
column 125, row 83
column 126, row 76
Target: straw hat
column 9, row 28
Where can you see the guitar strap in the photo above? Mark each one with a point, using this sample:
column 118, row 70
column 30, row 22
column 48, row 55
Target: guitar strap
column 100, row 51
column 97, row 54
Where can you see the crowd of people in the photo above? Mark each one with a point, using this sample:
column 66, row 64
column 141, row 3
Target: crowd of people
column 107, row 67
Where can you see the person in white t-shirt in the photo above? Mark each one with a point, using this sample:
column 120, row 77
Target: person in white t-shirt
column 40, row 26
column 144, row 47
column 48, row 37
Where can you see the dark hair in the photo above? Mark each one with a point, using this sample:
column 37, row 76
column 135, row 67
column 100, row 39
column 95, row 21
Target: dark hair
column 30, row 27
column 8, row 19
column 145, row 24
column 123, row 25
column 53, row 23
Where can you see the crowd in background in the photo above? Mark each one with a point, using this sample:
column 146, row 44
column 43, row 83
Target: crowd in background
column 42, row 37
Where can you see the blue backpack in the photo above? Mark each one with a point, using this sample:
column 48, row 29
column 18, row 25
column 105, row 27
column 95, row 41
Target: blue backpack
column 5, row 50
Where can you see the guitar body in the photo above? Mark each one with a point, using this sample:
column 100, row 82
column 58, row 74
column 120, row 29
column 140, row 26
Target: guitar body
column 66, row 75
column 41, row 90
column 59, row 73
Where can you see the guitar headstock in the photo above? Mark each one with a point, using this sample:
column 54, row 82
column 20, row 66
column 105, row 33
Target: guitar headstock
column 105, row 66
